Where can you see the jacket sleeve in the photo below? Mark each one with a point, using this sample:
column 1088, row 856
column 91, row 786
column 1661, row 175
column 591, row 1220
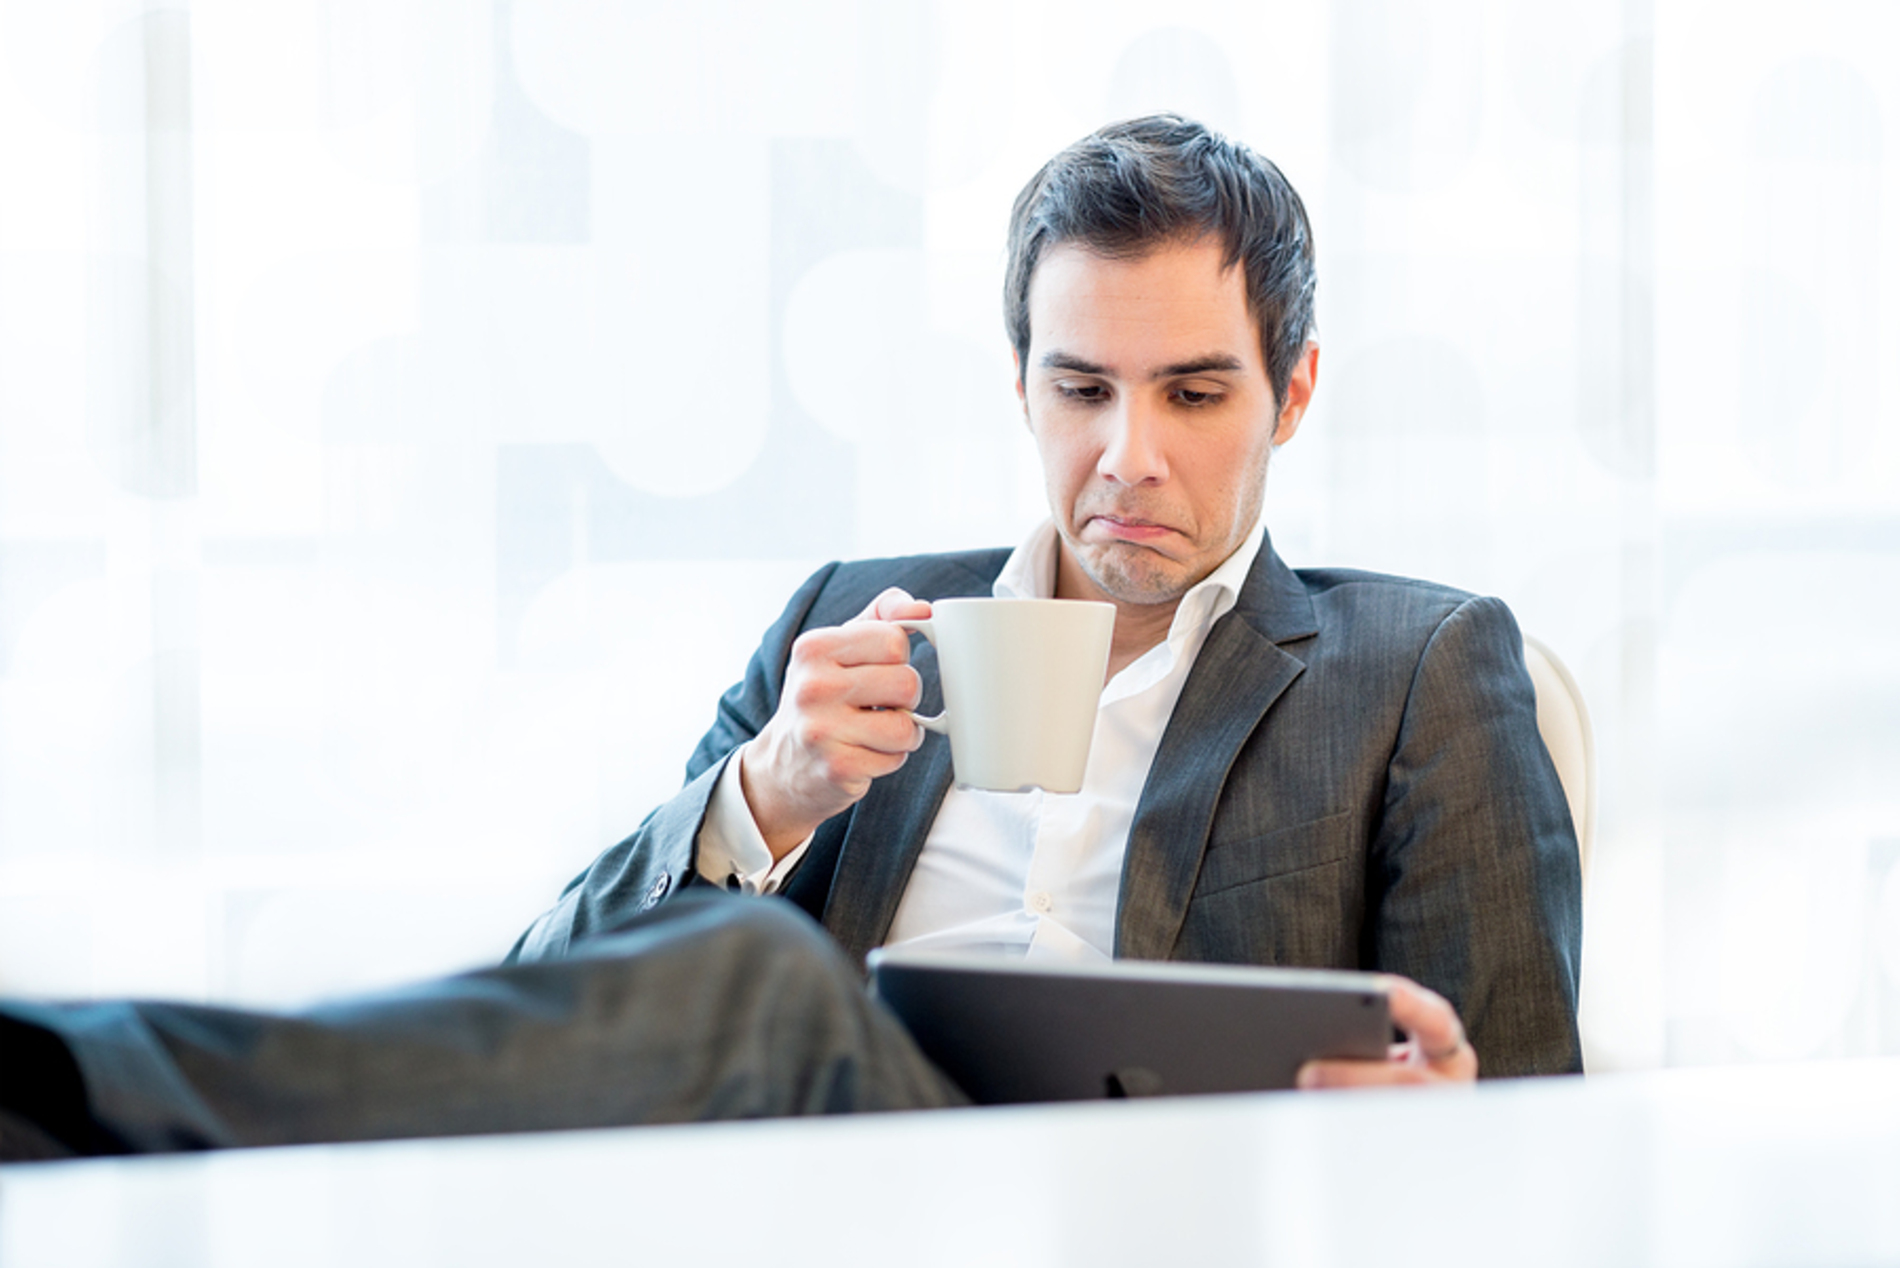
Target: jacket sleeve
column 658, row 859
column 1473, row 882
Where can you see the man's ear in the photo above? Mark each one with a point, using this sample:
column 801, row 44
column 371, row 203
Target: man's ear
column 1299, row 393
column 1023, row 394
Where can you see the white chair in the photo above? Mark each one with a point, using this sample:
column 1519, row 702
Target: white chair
column 1564, row 723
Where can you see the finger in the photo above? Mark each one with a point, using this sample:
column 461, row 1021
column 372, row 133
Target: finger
column 861, row 643
column 1428, row 1020
column 895, row 604
column 852, row 767
column 883, row 687
column 1347, row 1074
column 902, row 607
column 887, row 732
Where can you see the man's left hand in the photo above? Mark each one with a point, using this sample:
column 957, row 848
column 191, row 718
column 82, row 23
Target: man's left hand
column 1435, row 1049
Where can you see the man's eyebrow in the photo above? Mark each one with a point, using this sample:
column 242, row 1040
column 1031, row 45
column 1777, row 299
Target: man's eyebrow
column 1066, row 361
column 1213, row 361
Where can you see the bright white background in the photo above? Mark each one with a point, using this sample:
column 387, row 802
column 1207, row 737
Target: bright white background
column 411, row 414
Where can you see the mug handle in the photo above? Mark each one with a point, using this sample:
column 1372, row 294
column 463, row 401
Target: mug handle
column 938, row 722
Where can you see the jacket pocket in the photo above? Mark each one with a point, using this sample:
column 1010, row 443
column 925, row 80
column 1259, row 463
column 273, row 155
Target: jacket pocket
column 1281, row 852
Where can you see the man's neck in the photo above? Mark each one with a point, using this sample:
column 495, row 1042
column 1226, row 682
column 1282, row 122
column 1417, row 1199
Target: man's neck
column 1138, row 626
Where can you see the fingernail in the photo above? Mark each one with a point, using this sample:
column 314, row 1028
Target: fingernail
column 1308, row 1077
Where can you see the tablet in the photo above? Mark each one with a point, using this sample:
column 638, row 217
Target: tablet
column 1009, row 1031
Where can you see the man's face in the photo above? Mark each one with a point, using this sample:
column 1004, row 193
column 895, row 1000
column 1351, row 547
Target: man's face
column 1149, row 400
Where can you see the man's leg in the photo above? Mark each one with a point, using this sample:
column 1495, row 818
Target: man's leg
column 710, row 1007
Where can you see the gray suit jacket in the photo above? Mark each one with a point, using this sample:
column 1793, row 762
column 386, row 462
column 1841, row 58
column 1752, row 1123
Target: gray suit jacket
column 1352, row 778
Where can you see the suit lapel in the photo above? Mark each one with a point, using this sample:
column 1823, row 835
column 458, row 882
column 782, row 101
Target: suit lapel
column 1236, row 678
column 887, row 832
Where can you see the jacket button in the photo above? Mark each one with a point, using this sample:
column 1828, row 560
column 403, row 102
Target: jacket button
column 658, row 891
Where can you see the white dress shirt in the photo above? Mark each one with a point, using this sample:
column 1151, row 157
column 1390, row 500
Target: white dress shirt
column 1023, row 873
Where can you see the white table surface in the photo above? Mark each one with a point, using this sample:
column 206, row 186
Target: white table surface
column 1784, row 1166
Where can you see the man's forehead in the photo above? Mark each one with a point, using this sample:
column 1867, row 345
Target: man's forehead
column 1174, row 309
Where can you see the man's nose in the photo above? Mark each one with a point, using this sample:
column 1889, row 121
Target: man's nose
column 1132, row 452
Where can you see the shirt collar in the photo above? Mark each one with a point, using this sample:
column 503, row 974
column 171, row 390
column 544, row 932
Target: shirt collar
column 1030, row 573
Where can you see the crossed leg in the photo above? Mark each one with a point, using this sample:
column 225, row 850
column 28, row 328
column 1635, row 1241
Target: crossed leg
column 711, row 1007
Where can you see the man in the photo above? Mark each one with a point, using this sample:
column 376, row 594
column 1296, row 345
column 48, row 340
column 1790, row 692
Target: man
column 1320, row 768
column 1317, row 768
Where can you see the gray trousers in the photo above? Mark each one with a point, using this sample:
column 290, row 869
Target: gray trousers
column 710, row 1007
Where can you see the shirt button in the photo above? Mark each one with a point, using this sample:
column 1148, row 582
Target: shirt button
column 1041, row 901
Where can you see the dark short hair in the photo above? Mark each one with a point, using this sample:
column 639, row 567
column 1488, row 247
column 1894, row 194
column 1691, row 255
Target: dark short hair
column 1137, row 184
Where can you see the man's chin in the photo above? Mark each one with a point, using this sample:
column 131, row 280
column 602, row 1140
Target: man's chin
column 1134, row 575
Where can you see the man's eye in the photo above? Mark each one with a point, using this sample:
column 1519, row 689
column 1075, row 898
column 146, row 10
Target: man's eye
column 1082, row 391
column 1191, row 396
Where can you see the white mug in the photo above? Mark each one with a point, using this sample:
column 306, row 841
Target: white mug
column 1021, row 682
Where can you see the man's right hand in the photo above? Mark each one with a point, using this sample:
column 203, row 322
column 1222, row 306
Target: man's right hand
column 843, row 720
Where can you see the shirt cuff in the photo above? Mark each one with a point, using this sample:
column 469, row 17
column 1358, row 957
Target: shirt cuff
column 732, row 853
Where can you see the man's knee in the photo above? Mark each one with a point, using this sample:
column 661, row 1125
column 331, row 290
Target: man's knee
column 772, row 1012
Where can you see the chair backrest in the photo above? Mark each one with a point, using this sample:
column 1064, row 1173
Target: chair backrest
column 1564, row 723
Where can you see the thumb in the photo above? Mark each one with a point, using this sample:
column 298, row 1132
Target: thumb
column 895, row 604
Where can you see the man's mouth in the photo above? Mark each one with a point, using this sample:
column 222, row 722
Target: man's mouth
column 1125, row 528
